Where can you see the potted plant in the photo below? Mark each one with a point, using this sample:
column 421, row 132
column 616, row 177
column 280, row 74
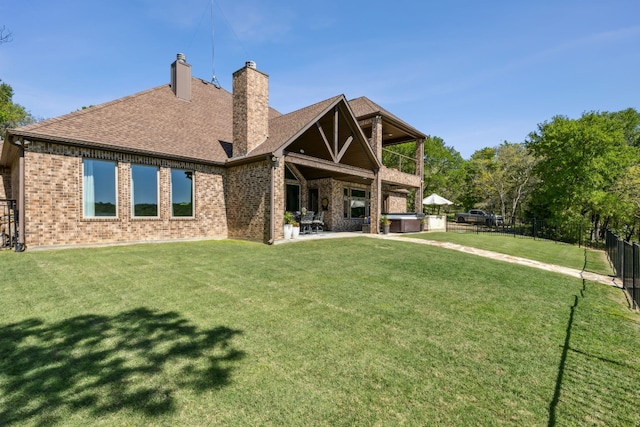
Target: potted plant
column 288, row 224
column 386, row 222
column 296, row 229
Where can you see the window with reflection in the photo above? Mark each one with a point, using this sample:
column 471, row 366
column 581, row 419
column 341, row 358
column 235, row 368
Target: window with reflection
column 98, row 188
column 181, row 193
column 356, row 203
column 144, row 191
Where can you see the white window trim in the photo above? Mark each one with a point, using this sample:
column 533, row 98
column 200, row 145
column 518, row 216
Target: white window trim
column 115, row 171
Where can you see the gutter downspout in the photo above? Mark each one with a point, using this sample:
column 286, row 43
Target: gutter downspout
column 20, row 246
column 272, row 198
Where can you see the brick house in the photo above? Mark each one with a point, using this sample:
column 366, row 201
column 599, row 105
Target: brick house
column 192, row 160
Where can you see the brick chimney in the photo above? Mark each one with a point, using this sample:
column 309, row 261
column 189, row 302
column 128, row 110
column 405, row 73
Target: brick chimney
column 181, row 78
column 250, row 109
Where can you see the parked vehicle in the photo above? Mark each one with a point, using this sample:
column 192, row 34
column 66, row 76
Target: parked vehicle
column 477, row 216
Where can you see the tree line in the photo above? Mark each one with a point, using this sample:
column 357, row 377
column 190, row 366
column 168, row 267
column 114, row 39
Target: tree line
column 575, row 172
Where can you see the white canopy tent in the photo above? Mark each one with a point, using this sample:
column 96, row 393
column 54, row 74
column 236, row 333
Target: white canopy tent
column 437, row 200
column 434, row 199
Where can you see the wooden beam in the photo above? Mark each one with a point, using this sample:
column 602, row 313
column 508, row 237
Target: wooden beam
column 344, row 148
column 326, row 142
column 335, row 130
column 313, row 162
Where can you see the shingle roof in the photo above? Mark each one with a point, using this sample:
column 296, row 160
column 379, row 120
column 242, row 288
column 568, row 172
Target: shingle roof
column 156, row 122
column 151, row 122
column 364, row 107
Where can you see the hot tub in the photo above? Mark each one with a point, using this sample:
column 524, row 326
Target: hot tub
column 405, row 222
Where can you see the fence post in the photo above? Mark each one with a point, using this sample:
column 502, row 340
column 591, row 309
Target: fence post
column 534, row 229
column 634, row 273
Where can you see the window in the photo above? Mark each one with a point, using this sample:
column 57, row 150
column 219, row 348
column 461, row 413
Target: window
column 357, row 203
column 99, row 188
column 181, row 192
column 144, row 191
column 293, row 198
column 292, row 188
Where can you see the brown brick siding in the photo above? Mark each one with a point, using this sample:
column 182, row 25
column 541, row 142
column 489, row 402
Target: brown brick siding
column 397, row 202
column 250, row 110
column 279, row 194
column 397, row 177
column 53, row 214
column 248, row 201
column 339, row 223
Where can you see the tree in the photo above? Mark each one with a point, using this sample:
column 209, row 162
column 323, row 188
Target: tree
column 579, row 161
column 475, row 192
column 11, row 114
column 505, row 176
column 401, row 157
column 625, row 193
column 444, row 170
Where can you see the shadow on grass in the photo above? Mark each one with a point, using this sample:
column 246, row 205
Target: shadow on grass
column 591, row 388
column 133, row 361
column 563, row 360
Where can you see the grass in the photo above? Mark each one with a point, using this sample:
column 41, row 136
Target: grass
column 547, row 251
column 337, row 332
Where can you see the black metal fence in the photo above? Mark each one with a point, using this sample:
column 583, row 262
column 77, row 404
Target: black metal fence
column 8, row 224
column 625, row 259
column 531, row 228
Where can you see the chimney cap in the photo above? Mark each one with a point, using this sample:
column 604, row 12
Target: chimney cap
column 181, row 57
column 250, row 64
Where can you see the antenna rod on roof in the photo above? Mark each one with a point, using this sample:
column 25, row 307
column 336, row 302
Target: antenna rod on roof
column 214, row 79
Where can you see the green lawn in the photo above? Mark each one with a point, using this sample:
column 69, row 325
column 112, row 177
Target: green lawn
column 547, row 251
column 353, row 331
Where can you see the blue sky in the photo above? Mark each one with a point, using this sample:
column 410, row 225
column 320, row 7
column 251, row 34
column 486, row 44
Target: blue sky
column 475, row 73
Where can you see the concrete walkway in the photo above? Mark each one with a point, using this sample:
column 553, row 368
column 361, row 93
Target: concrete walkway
column 580, row 274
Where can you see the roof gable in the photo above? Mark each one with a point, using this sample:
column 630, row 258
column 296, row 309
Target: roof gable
column 327, row 130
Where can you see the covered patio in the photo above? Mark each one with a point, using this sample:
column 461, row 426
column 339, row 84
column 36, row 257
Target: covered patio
column 332, row 167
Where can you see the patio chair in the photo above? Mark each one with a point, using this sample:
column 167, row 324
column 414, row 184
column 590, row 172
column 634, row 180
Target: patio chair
column 318, row 222
column 306, row 222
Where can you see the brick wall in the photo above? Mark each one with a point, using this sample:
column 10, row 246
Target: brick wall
column 53, row 198
column 248, row 200
column 397, row 202
column 250, row 110
column 339, row 222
